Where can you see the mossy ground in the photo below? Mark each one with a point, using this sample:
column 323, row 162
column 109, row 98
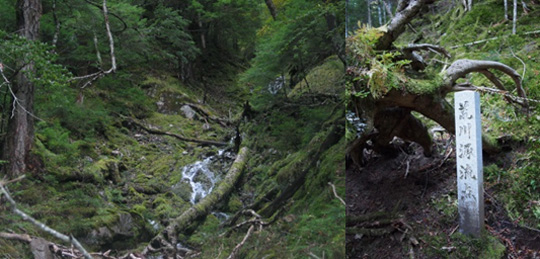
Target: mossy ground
column 280, row 139
column 93, row 174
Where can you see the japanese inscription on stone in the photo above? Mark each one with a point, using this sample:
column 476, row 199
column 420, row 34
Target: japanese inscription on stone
column 470, row 178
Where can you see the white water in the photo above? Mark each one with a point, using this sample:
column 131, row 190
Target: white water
column 200, row 170
column 276, row 85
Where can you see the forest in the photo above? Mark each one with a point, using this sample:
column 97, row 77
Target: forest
column 172, row 129
column 268, row 129
column 407, row 63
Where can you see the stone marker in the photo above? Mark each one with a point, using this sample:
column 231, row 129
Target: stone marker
column 470, row 176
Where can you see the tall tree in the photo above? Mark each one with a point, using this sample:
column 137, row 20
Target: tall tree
column 506, row 9
column 369, row 12
column 514, row 18
column 271, row 8
column 20, row 135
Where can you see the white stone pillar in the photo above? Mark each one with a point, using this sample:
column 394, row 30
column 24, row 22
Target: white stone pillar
column 470, row 176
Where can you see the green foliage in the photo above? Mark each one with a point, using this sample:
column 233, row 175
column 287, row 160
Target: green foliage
column 293, row 44
column 7, row 15
column 173, row 43
column 360, row 45
column 18, row 52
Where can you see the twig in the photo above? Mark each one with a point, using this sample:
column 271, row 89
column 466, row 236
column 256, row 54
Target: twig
column 490, row 39
column 453, row 230
column 16, row 102
column 335, row 194
column 67, row 239
column 407, row 168
column 430, row 47
column 524, row 65
column 237, row 247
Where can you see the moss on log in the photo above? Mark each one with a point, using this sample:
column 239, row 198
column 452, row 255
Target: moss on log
column 295, row 172
column 168, row 235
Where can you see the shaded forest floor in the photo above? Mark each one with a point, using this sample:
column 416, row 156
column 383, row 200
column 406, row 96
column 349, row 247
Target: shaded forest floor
column 406, row 206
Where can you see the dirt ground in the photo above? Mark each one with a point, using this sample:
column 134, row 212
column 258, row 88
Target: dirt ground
column 392, row 209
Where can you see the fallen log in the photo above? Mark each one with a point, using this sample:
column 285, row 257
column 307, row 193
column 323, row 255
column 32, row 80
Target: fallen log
column 166, row 133
column 201, row 110
column 317, row 146
column 167, row 237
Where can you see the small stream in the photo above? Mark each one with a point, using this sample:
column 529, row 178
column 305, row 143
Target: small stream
column 203, row 175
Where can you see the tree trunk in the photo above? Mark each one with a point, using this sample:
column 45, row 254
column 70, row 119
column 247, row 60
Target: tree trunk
column 381, row 2
column 369, row 13
column 20, row 135
column 317, row 146
column 379, row 14
column 506, row 9
column 514, row 18
column 271, row 8
column 202, row 208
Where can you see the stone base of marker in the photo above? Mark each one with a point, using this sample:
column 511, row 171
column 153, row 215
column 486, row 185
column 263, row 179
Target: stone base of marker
column 470, row 176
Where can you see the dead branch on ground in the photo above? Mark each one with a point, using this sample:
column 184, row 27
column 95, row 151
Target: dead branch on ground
column 336, row 195
column 40, row 225
column 166, row 133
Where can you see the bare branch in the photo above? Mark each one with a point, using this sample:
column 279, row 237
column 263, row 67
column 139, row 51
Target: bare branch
column 111, row 40
column 388, row 10
column 335, row 193
column 42, row 226
column 406, row 11
column 16, row 101
column 524, row 65
column 20, row 237
column 430, row 47
column 237, row 247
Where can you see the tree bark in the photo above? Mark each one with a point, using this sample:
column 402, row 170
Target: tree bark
column 514, row 18
column 405, row 13
column 369, row 13
column 271, row 8
column 379, row 14
column 168, row 235
column 20, row 134
column 506, row 9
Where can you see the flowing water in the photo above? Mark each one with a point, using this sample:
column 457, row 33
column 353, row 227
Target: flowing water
column 202, row 176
